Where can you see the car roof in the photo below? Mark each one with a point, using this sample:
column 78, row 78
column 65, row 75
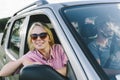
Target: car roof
column 63, row 4
column 89, row 2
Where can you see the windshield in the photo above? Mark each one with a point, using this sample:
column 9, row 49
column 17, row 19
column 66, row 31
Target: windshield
column 99, row 27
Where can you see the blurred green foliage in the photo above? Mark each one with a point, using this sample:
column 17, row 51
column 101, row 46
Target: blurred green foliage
column 3, row 22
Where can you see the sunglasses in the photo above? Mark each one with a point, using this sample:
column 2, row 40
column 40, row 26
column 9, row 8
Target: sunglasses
column 41, row 36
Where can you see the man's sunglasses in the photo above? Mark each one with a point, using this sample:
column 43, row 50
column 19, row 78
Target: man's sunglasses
column 41, row 36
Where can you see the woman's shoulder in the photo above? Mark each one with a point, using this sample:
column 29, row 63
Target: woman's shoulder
column 29, row 53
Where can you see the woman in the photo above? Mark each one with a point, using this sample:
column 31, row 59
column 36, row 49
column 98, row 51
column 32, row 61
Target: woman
column 43, row 51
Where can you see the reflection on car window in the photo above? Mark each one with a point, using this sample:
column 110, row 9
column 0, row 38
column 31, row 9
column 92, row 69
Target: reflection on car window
column 100, row 47
column 15, row 39
column 99, row 29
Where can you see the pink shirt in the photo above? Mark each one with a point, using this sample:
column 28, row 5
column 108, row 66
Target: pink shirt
column 57, row 59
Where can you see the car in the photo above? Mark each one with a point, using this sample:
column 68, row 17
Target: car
column 1, row 36
column 74, row 27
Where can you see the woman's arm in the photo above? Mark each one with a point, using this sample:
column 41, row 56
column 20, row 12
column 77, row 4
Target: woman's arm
column 10, row 67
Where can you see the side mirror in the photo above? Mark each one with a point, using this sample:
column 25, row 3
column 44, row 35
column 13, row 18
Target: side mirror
column 40, row 72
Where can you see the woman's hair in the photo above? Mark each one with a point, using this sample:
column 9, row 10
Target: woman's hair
column 46, row 28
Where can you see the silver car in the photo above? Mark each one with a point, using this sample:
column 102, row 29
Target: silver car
column 75, row 26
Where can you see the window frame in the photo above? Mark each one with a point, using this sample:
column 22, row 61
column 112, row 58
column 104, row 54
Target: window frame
column 13, row 53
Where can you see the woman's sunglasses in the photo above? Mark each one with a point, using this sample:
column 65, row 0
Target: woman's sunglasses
column 41, row 36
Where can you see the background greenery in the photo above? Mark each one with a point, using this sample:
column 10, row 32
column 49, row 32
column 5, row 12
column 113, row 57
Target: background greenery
column 3, row 22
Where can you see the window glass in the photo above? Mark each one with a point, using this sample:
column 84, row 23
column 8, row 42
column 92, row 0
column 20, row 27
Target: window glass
column 15, row 37
column 5, row 30
column 98, row 27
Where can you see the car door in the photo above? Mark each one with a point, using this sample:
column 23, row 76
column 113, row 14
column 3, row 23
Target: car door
column 13, row 42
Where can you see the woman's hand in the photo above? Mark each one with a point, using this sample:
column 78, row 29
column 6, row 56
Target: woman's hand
column 62, row 71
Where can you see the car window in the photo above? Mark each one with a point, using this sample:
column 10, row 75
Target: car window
column 45, row 19
column 98, row 28
column 5, row 31
column 15, row 36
